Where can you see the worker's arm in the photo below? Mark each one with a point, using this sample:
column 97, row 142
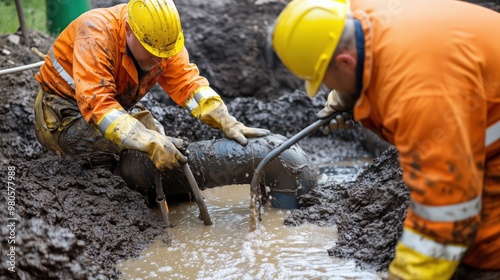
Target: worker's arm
column 207, row 106
column 187, row 88
column 441, row 144
column 95, row 92
column 128, row 133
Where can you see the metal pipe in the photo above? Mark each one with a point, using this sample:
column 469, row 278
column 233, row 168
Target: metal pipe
column 222, row 162
column 20, row 68
column 225, row 162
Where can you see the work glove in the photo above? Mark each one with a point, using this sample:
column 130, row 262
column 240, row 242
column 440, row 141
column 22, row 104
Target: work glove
column 220, row 118
column 128, row 133
column 140, row 113
column 337, row 103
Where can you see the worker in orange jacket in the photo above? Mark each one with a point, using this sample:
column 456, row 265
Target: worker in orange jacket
column 424, row 75
column 99, row 68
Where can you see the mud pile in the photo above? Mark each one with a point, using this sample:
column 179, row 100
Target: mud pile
column 368, row 212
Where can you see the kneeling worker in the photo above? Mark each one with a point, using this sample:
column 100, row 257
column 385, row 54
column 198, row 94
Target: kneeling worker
column 98, row 70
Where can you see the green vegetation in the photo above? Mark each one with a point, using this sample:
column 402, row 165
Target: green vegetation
column 34, row 15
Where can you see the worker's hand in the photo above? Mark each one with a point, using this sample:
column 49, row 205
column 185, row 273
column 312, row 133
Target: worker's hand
column 337, row 103
column 128, row 133
column 341, row 121
column 239, row 132
column 164, row 151
column 219, row 117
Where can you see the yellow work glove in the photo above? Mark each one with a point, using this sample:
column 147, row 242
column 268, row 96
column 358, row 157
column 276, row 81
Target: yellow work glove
column 337, row 103
column 128, row 133
column 219, row 117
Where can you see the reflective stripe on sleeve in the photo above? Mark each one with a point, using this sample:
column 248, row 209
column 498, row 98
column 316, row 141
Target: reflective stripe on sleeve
column 448, row 213
column 492, row 134
column 431, row 248
column 192, row 104
column 202, row 93
column 108, row 119
column 66, row 77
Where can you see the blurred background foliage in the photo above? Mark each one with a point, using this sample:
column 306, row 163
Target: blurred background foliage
column 34, row 15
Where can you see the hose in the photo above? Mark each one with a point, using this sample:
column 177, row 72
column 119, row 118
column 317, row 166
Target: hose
column 255, row 195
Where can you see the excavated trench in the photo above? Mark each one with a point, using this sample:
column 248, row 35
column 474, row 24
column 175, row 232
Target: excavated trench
column 76, row 221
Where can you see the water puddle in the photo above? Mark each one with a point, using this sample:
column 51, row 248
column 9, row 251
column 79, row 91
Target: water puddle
column 344, row 171
column 227, row 250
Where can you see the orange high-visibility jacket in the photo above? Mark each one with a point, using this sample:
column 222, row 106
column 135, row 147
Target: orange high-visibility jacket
column 89, row 63
column 431, row 86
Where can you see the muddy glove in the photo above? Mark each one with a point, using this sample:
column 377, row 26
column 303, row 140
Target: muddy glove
column 128, row 133
column 338, row 103
column 211, row 110
column 233, row 129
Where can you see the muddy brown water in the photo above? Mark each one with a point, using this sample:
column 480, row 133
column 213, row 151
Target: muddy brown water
column 228, row 250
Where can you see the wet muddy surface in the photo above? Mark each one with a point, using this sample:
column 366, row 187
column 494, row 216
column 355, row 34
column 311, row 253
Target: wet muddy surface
column 227, row 250
column 365, row 212
column 75, row 221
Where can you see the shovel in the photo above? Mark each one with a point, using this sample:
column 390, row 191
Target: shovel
column 162, row 203
column 255, row 183
column 160, row 199
column 197, row 194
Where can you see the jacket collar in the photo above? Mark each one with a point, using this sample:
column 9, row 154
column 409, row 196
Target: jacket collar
column 360, row 45
column 128, row 61
column 362, row 107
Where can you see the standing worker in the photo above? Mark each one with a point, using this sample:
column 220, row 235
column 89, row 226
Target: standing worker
column 99, row 68
column 424, row 75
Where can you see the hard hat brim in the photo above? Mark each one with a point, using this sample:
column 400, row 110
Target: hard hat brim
column 166, row 53
column 311, row 88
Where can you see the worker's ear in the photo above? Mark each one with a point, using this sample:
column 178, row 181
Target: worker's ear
column 128, row 31
column 345, row 59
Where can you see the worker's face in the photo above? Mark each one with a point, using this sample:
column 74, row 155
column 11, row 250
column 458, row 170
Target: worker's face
column 144, row 58
column 341, row 74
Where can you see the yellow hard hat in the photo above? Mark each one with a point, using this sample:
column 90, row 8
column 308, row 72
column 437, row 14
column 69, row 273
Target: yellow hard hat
column 305, row 36
column 157, row 25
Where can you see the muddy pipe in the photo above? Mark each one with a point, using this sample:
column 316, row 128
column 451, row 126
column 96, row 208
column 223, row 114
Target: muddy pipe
column 222, row 162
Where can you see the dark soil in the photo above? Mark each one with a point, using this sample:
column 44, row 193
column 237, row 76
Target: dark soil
column 368, row 212
column 74, row 221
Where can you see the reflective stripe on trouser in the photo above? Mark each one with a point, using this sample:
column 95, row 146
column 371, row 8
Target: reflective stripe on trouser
column 492, row 134
column 448, row 213
column 431, row 248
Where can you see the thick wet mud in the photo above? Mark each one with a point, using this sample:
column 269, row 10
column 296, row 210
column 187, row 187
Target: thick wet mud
column 75, row 221
column 65, row 207
column 368, row 212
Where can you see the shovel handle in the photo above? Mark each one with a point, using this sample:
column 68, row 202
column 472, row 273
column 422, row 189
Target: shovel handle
column 197, row 194
column 160, row 199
